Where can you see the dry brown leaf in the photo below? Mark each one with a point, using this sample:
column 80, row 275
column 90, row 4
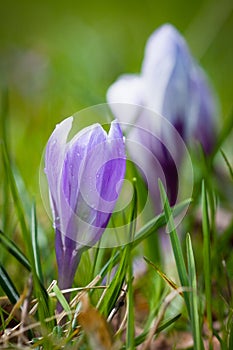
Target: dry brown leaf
column 95, row 326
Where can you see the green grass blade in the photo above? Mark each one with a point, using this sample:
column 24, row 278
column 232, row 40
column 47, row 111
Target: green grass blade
column 133, row 216
column 35, row 247
column 14, row 250
column 156, row 223
column 207, row 256
column 230, row 342
column 148, row 229
column 176, row 246
column 130, row 336
column 40, row 292
column 227, row 163
column 193, row 298
column 172, row 284
column 62, row 300
column 8, row 286
column 223, row 344
column 167, row 323
column 4, row 137
column 114, row 289
column 17, row 201
column 225, row 132
column 45, row 309
column 111, row 262
column 130, row 297
column 4, row 116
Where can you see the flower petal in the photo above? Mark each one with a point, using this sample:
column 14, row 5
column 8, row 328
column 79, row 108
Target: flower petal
column 54, row 157
column 83, row 175
column 74, row 176
column 68, row 258
column 203, row 125
column 76, row 154
column 92, row 169
column 109, row 172
column 165, row 72
column 124, row 96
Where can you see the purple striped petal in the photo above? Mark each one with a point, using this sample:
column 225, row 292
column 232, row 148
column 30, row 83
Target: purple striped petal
column 204, row 117
column 173, row 85
column 84, row 177
column 54, row 158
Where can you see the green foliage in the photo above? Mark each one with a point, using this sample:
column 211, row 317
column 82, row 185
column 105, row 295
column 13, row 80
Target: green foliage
column 52, row 70
column 176, row 245
column 8, row 286
column 207, row 256
column 193, row 297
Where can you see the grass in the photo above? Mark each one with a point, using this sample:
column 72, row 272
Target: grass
column 206, row 314
column 147, row 292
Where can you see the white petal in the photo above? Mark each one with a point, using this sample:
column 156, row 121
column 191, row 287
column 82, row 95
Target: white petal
column 124, row 97
column 165, row 51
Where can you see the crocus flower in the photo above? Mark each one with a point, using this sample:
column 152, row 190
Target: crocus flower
column 172, row 84
column 84, row 177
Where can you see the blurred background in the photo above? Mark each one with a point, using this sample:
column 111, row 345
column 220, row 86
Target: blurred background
column 57, row 57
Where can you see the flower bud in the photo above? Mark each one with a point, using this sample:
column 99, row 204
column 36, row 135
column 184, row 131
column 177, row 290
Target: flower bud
column 173, row 85
column 84, row 177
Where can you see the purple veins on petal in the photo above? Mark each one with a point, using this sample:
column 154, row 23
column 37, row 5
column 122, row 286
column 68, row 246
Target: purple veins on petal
column 84, row 177
column 172, row 84
column 54, row 157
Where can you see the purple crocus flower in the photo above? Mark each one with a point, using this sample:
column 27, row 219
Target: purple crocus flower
column 84, row 176
column 172, row 84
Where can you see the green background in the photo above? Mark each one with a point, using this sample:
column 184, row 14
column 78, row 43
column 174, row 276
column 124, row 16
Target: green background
column 59, row 57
